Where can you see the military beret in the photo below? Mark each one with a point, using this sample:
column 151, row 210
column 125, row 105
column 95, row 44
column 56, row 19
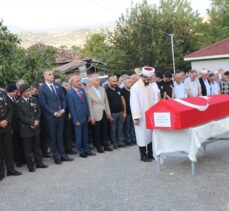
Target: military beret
column 226, row 73
column 11, row 87
column 24, row 87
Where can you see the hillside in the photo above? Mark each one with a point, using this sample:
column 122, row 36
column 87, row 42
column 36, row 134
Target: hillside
column 73, row 38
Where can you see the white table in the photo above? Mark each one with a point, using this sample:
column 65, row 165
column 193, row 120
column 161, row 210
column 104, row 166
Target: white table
column 186, row 143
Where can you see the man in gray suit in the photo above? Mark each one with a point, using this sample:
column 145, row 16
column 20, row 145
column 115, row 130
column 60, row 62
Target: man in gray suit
column 99, row 112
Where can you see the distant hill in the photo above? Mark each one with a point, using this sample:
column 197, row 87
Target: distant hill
column 76, row 37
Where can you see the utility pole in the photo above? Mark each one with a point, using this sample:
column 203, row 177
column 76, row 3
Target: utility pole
column 172, row 46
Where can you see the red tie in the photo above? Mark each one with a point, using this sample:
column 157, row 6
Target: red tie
column 80, row 95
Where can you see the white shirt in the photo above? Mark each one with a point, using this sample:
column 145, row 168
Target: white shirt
column 49, row 85
column 193, row 86
column 179, row 90
column 215, row 89
column 97, row 92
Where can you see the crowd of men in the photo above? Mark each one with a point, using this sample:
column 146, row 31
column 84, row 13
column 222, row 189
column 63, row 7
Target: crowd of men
column 54, row 119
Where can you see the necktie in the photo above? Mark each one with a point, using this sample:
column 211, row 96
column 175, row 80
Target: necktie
column 53, row 90
column 80, row 95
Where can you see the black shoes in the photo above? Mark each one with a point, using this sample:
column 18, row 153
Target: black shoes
column 115, row 146
column 150, row 157
column 32, row 169
column 66, row 158
column 90, row 153
column 108, row 148
column 145, row 158
column 41, row 165
column 130, row 144
column 83, row 155
column 70, row 152
column 100, row 150
column 121, row 145
column 57, row 161
column 47, row 155
column 13, row 173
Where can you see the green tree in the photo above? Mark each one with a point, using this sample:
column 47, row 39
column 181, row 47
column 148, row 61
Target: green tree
column 218, row 25
column 141, row 35
column 95, row 46
column 36, row 61
column 11, row 56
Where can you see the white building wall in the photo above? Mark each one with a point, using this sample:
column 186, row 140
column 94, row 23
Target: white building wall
column 211, row 65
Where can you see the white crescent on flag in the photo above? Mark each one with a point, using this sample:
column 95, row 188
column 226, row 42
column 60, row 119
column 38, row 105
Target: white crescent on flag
column 198, row 107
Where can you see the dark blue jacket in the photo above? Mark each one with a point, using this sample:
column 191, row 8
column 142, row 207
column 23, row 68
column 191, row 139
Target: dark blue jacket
column 50, row 102
column 79, row 110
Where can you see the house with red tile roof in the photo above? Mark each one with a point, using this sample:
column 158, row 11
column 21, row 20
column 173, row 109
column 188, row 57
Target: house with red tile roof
column 213, row 57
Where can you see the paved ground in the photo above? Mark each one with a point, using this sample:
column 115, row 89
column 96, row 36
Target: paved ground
column 119, row 181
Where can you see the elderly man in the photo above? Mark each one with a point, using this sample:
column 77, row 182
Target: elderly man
column 204, row 82
column 192, row 84
column 100, row 113
column 78, row 107
column 215, row 88
column 179, row 87
column 141, row 99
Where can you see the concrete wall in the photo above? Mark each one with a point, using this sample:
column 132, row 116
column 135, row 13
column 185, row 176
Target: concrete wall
column 211, row 65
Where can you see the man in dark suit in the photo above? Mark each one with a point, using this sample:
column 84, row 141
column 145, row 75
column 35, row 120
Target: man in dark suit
column 52, row 102
column 29, row 113
column 78, row 107
column 6, row 147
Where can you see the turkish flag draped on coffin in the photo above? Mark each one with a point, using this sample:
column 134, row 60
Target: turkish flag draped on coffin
column 188, row 112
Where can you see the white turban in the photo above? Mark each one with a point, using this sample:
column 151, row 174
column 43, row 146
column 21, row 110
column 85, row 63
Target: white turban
column 148, row 71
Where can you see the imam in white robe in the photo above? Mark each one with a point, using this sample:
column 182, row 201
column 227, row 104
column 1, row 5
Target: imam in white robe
column 141, row 99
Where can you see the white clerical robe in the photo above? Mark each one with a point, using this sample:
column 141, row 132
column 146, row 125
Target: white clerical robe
column 141, row 99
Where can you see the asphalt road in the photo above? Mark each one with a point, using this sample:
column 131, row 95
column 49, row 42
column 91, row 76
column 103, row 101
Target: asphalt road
column 119, row 181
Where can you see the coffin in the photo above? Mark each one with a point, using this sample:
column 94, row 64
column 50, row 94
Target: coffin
column 188, row 112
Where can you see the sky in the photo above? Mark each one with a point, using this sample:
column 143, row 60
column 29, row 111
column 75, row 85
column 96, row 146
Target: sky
column 46, row 15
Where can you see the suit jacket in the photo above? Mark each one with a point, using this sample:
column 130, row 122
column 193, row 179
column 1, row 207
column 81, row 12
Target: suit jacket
column 50, row 102
column 78, row 109
column 6, row 111
column 203, row 88
column 27, row 113
column 97, row 105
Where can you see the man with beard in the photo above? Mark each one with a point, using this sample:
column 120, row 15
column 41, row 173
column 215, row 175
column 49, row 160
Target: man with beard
column 141, row 99
column 118, row 112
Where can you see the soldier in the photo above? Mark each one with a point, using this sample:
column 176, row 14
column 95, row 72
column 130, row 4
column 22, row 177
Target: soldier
column 29, row 116
column 6, row 146
column 19, row 160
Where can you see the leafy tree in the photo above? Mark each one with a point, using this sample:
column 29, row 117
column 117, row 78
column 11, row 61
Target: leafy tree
column 142, row 35
column 218, row 27
column 95, row 46
column 36, row 61
column 11, row 56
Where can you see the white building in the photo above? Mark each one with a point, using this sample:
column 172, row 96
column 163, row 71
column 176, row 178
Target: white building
column 213, row 57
